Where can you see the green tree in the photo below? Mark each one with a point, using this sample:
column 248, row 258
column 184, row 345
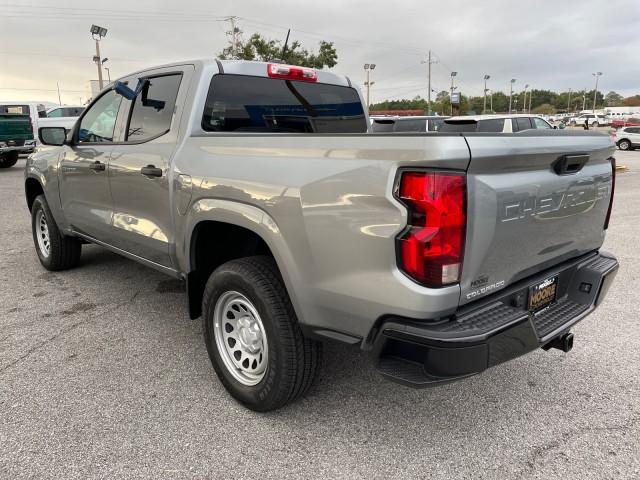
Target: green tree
column 612, row 99
column 266, row 49
column 631, row 102
column 544, row 109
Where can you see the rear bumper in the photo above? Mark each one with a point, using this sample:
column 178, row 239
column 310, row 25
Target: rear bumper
column 498, row 329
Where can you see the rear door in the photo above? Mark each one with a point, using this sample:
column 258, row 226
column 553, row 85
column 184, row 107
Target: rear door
column 139, row 171
column 545, row 203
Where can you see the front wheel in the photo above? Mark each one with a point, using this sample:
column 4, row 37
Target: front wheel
column 55, row 251
column 573, row 124
column 253, row 338
column 8, row 159
column 624, row 144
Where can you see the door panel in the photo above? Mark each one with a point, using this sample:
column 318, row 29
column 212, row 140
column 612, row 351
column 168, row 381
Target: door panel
column 140, row 168
column 84, row 170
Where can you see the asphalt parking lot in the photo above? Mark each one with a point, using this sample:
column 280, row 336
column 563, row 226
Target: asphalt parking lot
column 102, row 375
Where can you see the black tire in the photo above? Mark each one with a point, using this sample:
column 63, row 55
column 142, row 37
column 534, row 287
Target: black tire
column 253, row 287
column 572, row 123
column 8, row 159
column 595, row 124
column 624, row 145
column 55, row 251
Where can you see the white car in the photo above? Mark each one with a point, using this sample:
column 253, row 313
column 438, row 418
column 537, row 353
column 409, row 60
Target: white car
column 62, row 116
column 495, row 123
column 593, row 119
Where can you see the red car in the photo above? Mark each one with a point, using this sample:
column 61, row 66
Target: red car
column 629, row 122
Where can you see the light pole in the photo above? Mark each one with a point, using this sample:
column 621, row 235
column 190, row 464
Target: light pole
column 513, row 80
column 524, row 104
column 569, row 101
column 104, row 60
column 484, row 106
column 595, row 94
column 368, row 67
column 97, row 33
column 530, row 92
column 453, row 74
column 515, row 102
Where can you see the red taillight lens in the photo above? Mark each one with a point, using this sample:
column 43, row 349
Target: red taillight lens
column 292, row 73
column 613, row 189
column 432, row 248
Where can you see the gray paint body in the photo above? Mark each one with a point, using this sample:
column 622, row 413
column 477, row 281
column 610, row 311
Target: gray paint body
column 324, row 204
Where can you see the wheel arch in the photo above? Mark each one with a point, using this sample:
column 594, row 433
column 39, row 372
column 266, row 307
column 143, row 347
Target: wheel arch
column 32, row 188
column 225, row 231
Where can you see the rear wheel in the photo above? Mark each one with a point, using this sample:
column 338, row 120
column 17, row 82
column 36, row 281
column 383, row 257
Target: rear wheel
column 595, row 124
column 8, row 159
column 624, row 145
column 253, row 338
column 55, row 251
column 573, row 123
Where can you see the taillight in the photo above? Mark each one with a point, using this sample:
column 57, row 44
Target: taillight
column 431, row 249
column 292, row 73
column 613, row 189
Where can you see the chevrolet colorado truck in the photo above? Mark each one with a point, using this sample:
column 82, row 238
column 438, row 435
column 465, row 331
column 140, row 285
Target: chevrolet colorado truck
column 261, row 186
column 16, row 136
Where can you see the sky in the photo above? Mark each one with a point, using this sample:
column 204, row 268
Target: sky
column 552, row 45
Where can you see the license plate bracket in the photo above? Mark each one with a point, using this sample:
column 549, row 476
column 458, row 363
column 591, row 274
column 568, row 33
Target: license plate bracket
column 543, row 294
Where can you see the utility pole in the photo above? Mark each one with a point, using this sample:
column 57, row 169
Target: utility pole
column 484, row 105
column 513, row 80
column 530, row 92
column 595, row 94
column 569, row 101
column 584, row 98
column 429, row 85
column 58, row 86
column 234, row 37
column 453, row 74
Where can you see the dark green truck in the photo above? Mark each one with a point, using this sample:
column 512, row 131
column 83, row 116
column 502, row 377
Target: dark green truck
column 16, row 136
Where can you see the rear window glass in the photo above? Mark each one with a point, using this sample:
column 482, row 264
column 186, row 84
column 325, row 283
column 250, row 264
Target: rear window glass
column 237, row 103
column 15, row 109
column 419, row 125
column 493, row 125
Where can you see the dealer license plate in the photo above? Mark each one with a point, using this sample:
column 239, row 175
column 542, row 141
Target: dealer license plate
column 543, row 294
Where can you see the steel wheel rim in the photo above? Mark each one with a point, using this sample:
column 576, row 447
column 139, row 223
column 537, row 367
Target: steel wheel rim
column 42, row 233
column 240, row 338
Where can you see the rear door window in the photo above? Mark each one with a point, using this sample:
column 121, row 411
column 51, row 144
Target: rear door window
column 521, row 123
column 152, row 110
column 237, row 103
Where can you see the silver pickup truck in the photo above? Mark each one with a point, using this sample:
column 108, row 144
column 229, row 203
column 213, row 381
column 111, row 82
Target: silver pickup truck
column 260, row 186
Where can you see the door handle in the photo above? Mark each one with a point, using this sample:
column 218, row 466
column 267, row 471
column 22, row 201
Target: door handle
column 151, row 171
column 97, row 166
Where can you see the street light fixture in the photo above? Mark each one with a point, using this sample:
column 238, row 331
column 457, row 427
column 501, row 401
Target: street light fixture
column 484, row 107
column 368, row 67
column 98, row 33
column 595, row 94
column 453, row 74
column 513, row 80
column 106, row 68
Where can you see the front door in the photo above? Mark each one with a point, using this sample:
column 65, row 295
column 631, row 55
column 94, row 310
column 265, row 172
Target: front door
column 84, row 170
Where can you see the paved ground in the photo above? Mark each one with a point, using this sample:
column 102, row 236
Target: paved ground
column 102, row 375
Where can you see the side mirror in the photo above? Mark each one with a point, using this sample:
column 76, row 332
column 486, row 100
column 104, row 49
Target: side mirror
column 55, row 136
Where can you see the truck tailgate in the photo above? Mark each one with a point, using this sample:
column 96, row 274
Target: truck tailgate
column 15, row 127
column 527, row 212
